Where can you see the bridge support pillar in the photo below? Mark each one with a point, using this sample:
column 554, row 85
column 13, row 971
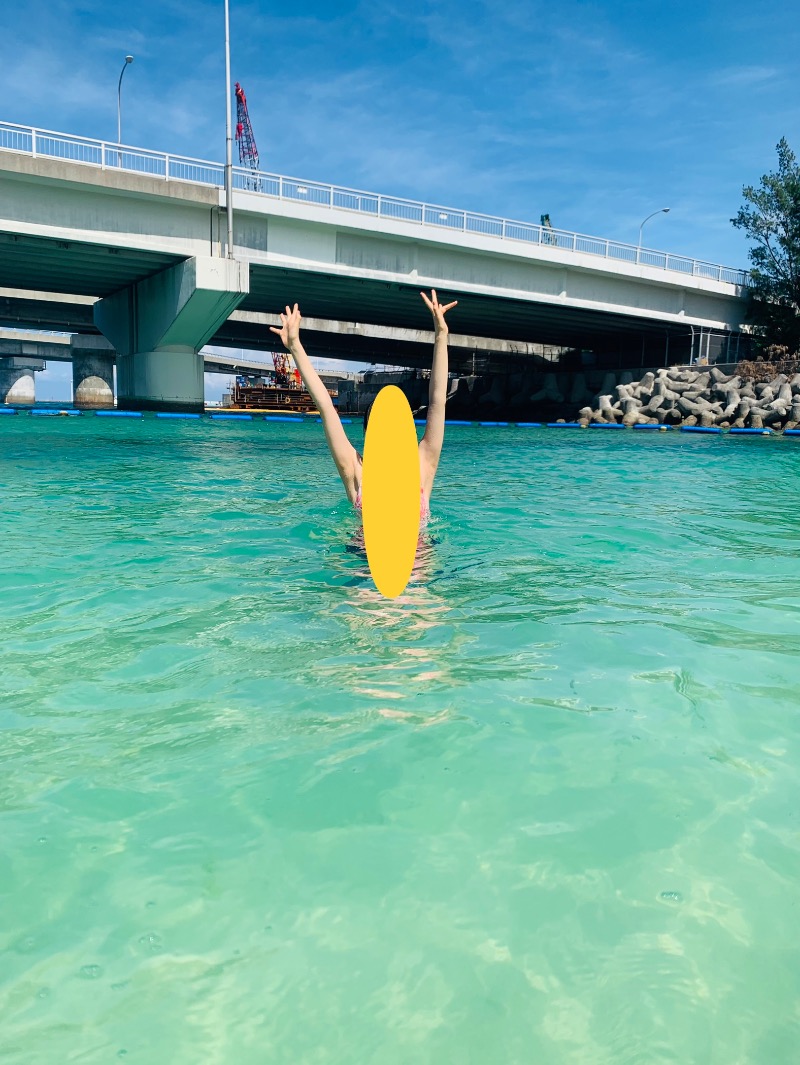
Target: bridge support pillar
column 159, row 325
column 92, row 372
column 17, row 387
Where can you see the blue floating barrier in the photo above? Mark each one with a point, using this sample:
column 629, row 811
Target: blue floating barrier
column 281, row 418
column 606, row 425
column 528, row 425
column 564, row 425
column 118, row 413
column 458, row 422
column 420, row 421
column 751, row 432
column 660, row 428
column 233, row 417
column 700, row 429
column 492, row 423
column 8, row 410
column 344, row 421
column 791, row 432
column 175, row 414
column 53, row 411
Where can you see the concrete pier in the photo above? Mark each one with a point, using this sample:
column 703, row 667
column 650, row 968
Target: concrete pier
column 17, row 387
column 21, row 356
column 92, row 372
column 159, row 325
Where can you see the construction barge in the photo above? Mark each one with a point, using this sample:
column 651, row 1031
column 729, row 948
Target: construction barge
column 281, row 390
column 249, row 393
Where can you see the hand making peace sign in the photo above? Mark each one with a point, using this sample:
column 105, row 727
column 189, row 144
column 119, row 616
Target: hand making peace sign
column 438, row 311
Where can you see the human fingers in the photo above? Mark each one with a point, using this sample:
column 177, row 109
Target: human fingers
column 428, row 303
column 449, row 305
column 434, row 298
column 274, row 329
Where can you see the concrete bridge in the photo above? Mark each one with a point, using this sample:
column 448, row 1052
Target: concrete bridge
column 24, row 354
column 142, row 234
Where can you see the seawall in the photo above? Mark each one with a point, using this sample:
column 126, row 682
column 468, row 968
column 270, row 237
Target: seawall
column 676, row 395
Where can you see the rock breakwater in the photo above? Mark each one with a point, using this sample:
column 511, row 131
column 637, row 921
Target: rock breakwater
column 676, row 395
column 705, row 397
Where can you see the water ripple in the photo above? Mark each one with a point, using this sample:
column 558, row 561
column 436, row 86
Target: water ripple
column 539, row 807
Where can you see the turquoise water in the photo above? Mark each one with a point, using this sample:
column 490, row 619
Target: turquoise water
column 541, row 809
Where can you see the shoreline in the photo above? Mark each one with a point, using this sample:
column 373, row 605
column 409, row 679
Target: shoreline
column 689, row 424
column 676, row 396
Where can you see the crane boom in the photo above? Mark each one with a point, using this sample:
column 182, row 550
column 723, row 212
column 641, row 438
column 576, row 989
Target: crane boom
column 248, row 152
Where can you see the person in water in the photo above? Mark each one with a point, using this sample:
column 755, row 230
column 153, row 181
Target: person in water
column 348, row 460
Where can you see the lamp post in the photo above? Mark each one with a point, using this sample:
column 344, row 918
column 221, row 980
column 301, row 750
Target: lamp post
column 128, row 60
column 228, row 137
column 661, row 210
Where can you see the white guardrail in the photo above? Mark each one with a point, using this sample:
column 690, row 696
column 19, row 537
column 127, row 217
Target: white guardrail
column 107, row 155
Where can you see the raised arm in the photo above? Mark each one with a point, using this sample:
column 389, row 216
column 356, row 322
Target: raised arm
column 343, row 452
column 430, row 446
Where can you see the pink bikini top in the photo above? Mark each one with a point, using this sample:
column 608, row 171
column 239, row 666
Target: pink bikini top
column 424, row 509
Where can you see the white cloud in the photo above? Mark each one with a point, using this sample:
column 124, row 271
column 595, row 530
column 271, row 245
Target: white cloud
column 743, row 77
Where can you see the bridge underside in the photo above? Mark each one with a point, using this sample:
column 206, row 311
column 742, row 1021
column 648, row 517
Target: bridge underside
column 39, row 263
column 347, row 341
column 95, row 270
column 480, row 315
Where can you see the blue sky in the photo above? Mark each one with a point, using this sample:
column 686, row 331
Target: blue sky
column 595, row 113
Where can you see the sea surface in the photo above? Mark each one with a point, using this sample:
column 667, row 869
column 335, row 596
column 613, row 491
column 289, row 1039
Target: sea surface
column 540, row 810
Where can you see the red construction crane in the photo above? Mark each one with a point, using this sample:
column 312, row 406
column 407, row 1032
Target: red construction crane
column 283, row 369
column 248, row 152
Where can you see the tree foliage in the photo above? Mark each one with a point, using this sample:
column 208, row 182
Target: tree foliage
column 771, row 218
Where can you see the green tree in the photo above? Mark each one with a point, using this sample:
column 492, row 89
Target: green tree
column 771, row 218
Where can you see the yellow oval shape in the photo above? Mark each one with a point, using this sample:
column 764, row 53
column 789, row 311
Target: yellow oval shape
column 390, row 491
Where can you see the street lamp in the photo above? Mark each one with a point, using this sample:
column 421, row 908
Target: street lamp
column 228, row 134
column 128, row 59
column 662, row 210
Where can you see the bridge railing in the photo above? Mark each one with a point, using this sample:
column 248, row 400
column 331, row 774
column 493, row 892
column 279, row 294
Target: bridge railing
column 36, row 142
